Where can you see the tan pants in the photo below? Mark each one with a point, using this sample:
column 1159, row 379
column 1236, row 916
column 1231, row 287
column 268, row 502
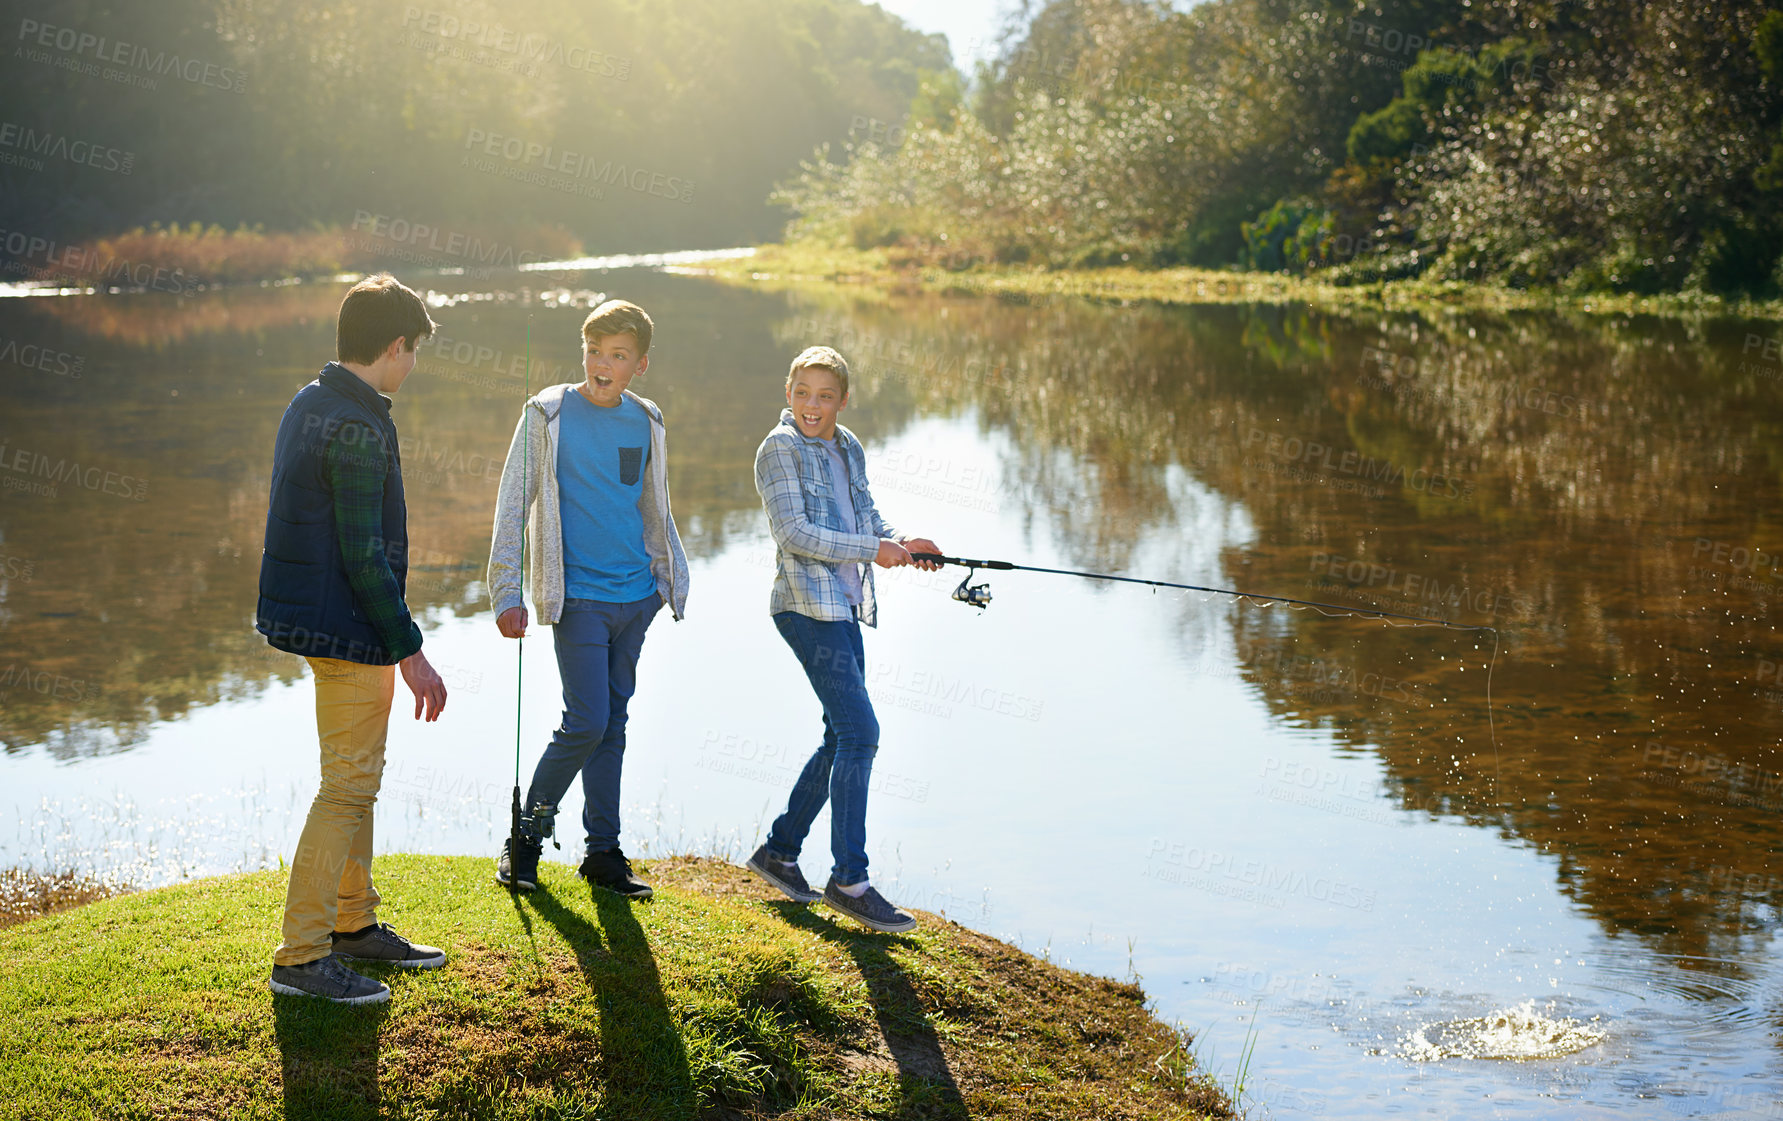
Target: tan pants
column 331, row 886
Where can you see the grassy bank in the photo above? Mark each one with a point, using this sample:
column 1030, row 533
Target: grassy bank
column 805, row 262
column 715, row 1000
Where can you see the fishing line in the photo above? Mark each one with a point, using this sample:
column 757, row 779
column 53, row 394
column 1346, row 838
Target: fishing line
column 979, row 596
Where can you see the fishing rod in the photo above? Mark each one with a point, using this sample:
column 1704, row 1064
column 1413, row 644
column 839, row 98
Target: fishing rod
column 979, row 595
column 520, row 661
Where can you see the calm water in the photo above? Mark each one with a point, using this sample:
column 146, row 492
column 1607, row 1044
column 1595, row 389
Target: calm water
column 1298, row 826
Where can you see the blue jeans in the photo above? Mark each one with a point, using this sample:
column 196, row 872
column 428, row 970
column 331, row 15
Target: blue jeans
column 830, row 654
column 597, row 657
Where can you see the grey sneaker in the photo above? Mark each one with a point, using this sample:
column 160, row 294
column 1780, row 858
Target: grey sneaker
column 786, row 877
column 871, row 909
column 328, row 979
column 381, row 943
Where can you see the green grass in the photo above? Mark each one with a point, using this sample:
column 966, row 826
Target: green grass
column 804, row 262
column 716, row 999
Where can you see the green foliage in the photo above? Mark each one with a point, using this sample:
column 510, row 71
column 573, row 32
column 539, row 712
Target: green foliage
column 1389, row 133
column 465, row 115
column 1288, row 237
column 1616, row 146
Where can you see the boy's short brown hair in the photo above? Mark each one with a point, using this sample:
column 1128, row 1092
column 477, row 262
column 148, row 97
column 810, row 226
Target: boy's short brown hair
column 619, row 317
column 376, row 310
column 821, row 358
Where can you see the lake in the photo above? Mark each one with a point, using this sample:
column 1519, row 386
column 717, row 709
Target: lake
column 1308, row 832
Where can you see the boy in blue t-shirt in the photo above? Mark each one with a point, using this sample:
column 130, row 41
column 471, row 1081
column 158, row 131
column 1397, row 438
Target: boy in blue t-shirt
column 587, row 461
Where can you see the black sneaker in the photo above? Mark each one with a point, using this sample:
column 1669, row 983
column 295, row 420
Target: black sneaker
column 871, row 909
column 381, row 943
column 786, row 877
column 329, row 979
column 519, row 873
column 611, row 870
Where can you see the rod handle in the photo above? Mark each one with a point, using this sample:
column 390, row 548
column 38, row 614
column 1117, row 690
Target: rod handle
column 941, row 558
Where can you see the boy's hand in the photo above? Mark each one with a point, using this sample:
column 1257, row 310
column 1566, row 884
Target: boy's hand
column 512, row 622
column 891, row 554
column 922, row 545
column 429, row 690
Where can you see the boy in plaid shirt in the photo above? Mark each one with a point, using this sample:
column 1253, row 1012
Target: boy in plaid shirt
column 812, row 476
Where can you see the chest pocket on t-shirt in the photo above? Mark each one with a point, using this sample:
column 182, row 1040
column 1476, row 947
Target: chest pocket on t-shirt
column 631, row 465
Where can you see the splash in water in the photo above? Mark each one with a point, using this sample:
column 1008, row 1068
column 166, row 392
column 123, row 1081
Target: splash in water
column 1519, row 1033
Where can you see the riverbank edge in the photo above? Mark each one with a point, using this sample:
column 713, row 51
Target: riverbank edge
column 798, row 263
column 716, row 999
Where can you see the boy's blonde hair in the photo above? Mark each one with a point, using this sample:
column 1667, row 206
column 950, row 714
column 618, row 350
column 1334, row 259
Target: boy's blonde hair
column 619, row 317
column 821, row 358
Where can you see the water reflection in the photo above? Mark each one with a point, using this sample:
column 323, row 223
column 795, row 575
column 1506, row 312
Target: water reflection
column 1601, row 491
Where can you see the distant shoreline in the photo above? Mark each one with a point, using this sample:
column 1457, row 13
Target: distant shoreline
column 804, row 262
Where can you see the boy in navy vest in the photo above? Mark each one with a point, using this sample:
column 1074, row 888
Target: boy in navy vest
column 588, row 463
column 331, row 589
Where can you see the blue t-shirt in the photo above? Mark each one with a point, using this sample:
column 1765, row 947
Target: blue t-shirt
column 601, row 457
column 849, row 574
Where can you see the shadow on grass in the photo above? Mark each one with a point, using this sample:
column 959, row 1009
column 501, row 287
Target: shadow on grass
column 926, row 1084
column 328, row 1057
column 643, row 1059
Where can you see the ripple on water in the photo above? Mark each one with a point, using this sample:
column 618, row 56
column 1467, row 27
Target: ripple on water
column 1517, row 1034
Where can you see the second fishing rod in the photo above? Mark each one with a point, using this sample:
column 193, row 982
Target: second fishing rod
column 979, row 595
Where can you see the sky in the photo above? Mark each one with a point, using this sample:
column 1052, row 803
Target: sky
column 971, row 26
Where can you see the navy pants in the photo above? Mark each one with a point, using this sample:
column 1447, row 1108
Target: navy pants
column 597, row 657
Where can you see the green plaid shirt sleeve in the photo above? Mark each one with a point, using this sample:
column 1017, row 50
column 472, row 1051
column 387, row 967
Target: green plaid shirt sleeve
column 356, row 467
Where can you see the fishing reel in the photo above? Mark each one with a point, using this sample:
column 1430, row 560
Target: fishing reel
column 978, row 595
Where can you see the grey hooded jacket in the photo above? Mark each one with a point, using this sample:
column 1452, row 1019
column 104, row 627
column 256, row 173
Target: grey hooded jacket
column 533, row 454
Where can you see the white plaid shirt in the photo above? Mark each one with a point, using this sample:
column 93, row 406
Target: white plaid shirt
column 795, row 487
